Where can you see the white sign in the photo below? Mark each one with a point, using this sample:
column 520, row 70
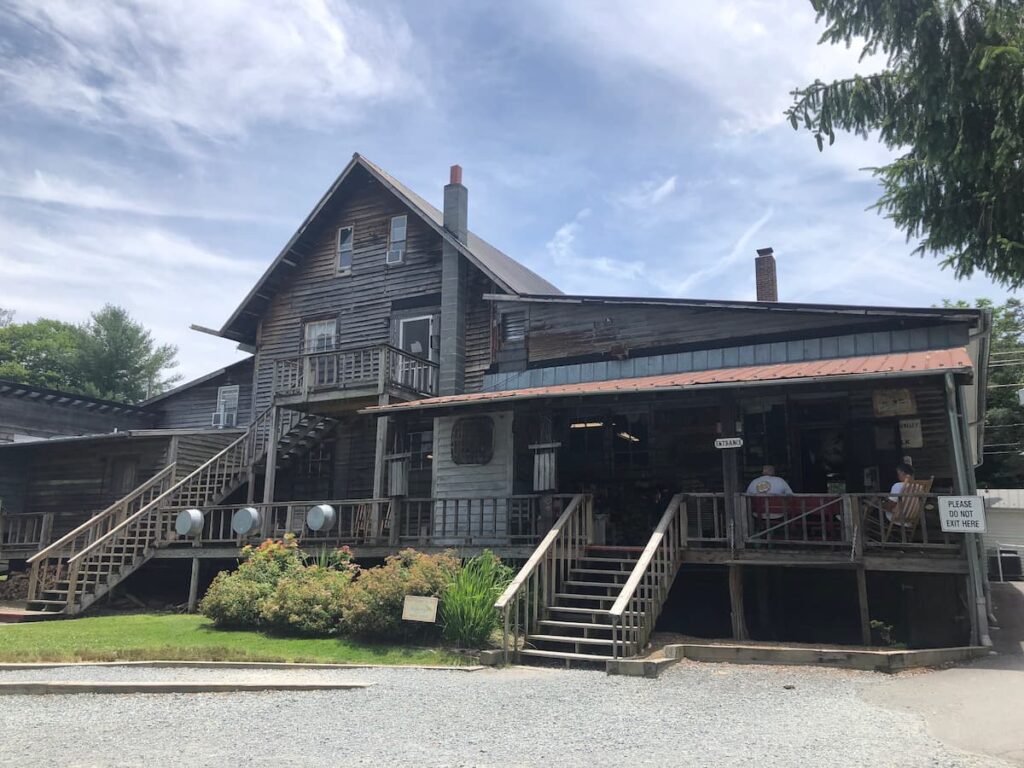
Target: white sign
column 729, row 442
column 420, row 609
column 910, row 433
column 962, row 514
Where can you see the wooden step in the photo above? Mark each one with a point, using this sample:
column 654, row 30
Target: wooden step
column 602, row 571
column 574, row 596
column 576, row 624
column 613, row 548
column 604, row 584
column 620, row 560
column 570, row 639
column 567, row 655
column 603, row 612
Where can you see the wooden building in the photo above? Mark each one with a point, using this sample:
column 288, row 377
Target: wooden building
column 434, row 393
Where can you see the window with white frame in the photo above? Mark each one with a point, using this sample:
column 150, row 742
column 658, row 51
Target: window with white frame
column 344, row 249
column 226, row 414
column 396, row 239
column 320, row 335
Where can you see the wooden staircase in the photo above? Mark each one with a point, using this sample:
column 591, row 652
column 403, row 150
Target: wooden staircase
column 300, row 433
column 82, row 566
column 577, row 602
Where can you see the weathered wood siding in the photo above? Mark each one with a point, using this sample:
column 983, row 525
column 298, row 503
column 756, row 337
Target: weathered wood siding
column 575, row 331
column 13, row 484
column 361, row 301
column 35, row 418
column 193, row 408
column 473, row 481
column 192, row 451
column 74, row 481
column 479, row 329
column 353, row 457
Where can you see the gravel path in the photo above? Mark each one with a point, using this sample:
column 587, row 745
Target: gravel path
column 694, row 715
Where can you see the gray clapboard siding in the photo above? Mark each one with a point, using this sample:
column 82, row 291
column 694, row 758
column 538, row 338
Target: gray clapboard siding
column 493, row 479
column 37, row 418
column 13, row 470
column 193, row 408
column 192, row 451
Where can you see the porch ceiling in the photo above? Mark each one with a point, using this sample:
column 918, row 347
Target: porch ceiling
column 954, row 360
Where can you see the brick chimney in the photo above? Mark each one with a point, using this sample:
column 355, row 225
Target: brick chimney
column 454, row 277
column 764, row 271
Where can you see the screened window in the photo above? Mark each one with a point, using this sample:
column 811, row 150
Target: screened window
column 473, row 440
column 396, row 239
column 344, row 250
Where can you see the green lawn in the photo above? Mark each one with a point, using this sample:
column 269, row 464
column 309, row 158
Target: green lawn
column 152, row 636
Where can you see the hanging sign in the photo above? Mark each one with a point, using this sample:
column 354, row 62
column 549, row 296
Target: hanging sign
column 910, row 433
column 962, row 514
column 729, row 442
column 894, row 402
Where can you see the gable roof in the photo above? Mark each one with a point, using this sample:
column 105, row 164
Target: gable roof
column 506, row 272
column 248, row 361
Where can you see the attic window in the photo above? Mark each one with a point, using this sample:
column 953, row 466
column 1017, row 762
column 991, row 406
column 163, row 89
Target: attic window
column 344, row 249
column 396, row 239
column 513, row 327
column 473, row 440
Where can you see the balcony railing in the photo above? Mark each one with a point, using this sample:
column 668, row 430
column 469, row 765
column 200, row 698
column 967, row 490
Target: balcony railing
column 376, row 368
column 451, row 522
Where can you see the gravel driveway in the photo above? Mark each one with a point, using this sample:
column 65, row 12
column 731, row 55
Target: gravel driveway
column 695, row 714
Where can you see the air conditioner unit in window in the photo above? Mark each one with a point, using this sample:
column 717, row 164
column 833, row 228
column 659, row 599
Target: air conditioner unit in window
column 225, row 419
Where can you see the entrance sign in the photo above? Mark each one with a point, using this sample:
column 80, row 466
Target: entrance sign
column 962, row 514
column 729, row 442
column 420, row 609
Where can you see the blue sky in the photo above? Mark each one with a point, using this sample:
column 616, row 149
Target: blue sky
column 159, row 154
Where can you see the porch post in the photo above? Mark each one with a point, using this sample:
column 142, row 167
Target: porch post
column 380, row 450
column 965, row 485
column 730, row 472
column 739, row 621
column 193, row 586
column 862, row 603
column 271, row 473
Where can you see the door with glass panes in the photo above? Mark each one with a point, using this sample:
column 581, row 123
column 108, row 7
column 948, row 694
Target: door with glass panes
column 414, row 370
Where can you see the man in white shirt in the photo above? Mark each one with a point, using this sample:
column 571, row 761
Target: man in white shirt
column 768, row 484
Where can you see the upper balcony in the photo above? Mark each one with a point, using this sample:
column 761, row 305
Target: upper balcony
column 353, row 374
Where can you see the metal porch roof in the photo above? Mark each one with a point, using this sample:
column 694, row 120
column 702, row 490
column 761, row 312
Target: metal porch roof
column 954, row 360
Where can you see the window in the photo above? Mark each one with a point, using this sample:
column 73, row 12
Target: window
column 473, row 440
column 320, row 335
column 344, row 250
column 513, row 327
column 396, row 240
column 226, row 414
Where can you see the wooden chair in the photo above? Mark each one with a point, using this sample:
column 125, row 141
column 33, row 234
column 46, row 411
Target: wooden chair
column 907, row 509
column 361, row 521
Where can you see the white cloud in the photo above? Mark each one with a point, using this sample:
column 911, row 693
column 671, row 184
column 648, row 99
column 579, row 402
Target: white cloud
column 649, row 194
column 183, row 69
column 588, row 273
column 743, row 56
column 50, row 189
column 65, row 267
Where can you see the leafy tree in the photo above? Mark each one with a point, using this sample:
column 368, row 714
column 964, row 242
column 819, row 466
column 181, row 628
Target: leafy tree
column 6, row 317
column 1004, row 415
column 951, row 98
column 119, row 359
column 44, row 353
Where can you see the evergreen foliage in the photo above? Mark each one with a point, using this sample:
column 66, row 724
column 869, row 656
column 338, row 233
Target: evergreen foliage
column 951, row 99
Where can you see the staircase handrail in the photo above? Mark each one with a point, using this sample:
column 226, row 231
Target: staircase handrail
column 95, row 519
column 655, row 570
column 559, row 548
column 157, row 502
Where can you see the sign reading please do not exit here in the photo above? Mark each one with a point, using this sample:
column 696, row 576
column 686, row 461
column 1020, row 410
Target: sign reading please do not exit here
column 962, row 514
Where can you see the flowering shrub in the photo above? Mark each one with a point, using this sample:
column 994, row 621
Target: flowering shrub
column 307, row 601
column 372, row 605
column 235, row 599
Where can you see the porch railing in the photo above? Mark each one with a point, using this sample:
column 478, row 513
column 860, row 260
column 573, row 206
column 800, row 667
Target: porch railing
column 25, row 531
column 638, row 605
column 812, row 520
column 373, row 367
column 522, row 604
column 882, row 526
column 707, row 523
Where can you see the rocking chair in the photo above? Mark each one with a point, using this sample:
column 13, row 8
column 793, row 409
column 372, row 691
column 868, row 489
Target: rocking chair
column 907, row 509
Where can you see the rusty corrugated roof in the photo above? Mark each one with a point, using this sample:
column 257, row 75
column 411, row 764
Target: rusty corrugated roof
column 900, row 363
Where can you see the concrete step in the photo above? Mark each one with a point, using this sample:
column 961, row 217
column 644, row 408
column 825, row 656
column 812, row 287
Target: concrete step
column 568, row 656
